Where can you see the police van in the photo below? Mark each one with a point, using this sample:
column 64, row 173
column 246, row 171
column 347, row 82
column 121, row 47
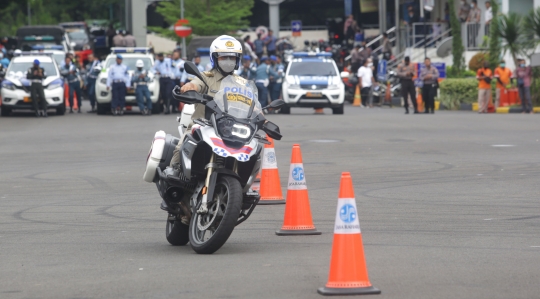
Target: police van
column 312, row 80
column 129, row 58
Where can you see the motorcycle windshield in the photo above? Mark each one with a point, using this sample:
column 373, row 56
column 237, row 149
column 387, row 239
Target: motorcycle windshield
column 238, row 98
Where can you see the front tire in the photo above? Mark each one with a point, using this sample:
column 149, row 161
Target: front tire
column 5, row 111
column 338, row 110
column 285, row 109
column 177, row 233
column 223, row 212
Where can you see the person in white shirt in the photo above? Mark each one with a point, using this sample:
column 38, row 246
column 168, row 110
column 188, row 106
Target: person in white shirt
column 366, row 82
column 488, row 16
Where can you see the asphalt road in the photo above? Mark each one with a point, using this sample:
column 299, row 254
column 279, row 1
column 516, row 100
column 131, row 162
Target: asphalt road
column 448, row 205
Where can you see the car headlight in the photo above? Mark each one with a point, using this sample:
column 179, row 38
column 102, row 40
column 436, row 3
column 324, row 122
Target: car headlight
column 8, row 85
column 103, row 81
column 55, row 84
column 294, row 86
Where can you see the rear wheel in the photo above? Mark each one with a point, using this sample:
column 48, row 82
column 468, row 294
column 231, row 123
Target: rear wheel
column 208, row 232
column 338, row 110
column 285, row 109
column 177, row 233
column 5, row 111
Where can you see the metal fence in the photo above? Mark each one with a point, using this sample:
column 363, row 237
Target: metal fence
column 473, row 35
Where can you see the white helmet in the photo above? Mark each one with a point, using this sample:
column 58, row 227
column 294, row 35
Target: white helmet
column 139, row 63
column 17, row 52
column 225, row 45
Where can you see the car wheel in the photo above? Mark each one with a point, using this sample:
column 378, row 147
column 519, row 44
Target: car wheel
column 338, row 110
column 5, row 111
column 285, row 109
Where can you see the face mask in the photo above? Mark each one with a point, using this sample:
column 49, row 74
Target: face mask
column 503, row 65
column 227, row 66
column 370, row 64
column 522, row 65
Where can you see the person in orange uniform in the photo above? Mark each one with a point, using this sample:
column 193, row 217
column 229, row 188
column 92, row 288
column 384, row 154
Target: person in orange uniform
column 484, row 87
column 503, row 75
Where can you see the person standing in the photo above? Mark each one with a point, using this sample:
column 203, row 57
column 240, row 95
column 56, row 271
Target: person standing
column 140, row 80
column 278, row 68
column 524, row 77
column 163, row 68
column 259, row 46
column 474, row 23
column 270, row 42
column 464, row 9
column 429, row 75
column 248, row 47
column 365, row 82
column 503, row 75
column 110, row 36
column 488, row 16
column 4, row 61
column 387, row 47
column 178, row 67
column 94, row 69
column 118, row 80
column 118, row 39
column 71, row 73
column 129, row 40
column 36, row 75
column 262, row 80
column 356, row 60
column 484, row 76
column 348, row 27
column 245, row 70
column 406, row 72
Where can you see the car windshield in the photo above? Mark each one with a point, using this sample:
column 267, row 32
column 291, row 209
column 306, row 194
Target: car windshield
column 28, row 45
column 130, row 62
column 239, row 94
column 312, row 68
column 23, row 67
column 78, row 35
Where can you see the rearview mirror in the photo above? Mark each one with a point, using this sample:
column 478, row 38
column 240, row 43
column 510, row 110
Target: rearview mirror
column 275, row 104
column 192, row 69
column 272, row 130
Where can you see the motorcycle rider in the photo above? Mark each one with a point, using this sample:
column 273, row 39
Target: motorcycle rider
column 225, row 55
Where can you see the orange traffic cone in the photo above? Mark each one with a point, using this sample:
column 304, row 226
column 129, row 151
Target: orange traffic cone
column 357, row 97
column 348, row 271
column 388, row 94
column 298, row 219
column 270, row 189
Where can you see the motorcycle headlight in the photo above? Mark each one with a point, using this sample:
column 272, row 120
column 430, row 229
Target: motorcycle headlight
column 241, row 131
column 228, row 128
column 103, row 81
column 8, row 85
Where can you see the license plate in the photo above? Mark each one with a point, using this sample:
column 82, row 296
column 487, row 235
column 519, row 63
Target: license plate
column 314, row 94
column 27, row 99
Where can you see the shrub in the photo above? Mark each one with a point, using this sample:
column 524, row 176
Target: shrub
column 456, row 91
column 451, row 72
column 477, row 61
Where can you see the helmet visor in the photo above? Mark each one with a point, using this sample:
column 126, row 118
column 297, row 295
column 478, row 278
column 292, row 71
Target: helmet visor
column 221, row 54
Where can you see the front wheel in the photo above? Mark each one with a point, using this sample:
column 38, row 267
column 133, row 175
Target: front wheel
column 208, row 232
column 338, row 110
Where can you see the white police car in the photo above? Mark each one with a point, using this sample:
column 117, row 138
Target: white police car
column 130, row 57
column 15, row 89
column 312, row 80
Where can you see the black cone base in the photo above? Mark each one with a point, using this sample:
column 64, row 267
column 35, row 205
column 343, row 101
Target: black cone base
column 271, row 202
column 348, row 291
column 297, row 232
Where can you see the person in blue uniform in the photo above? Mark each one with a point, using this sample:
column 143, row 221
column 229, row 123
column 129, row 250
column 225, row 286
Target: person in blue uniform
column 140, row 80
column 90, row 85
column 118, row 81
column 163, row 67
column 71, row 73
column 187, row 77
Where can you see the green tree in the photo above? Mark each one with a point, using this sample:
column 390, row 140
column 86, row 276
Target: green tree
column 511, row 31
column 457, row 43
column 206, row 17
column 494, row 44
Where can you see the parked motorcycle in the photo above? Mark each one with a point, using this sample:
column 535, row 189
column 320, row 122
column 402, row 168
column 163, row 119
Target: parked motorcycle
column 209, row 192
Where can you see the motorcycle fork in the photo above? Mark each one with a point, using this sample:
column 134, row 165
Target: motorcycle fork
column 210, row 166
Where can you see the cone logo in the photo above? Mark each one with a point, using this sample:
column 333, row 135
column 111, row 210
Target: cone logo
column 297, row 179
column 269, row 161
column 347, row 218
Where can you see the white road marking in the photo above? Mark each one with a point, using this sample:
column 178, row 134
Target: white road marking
column 141, row 269
column 489, row 219
column 325, row 140
column 502, row 145
column 479, row 174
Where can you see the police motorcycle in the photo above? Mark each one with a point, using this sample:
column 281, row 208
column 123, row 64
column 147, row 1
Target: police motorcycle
column 209, row 192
